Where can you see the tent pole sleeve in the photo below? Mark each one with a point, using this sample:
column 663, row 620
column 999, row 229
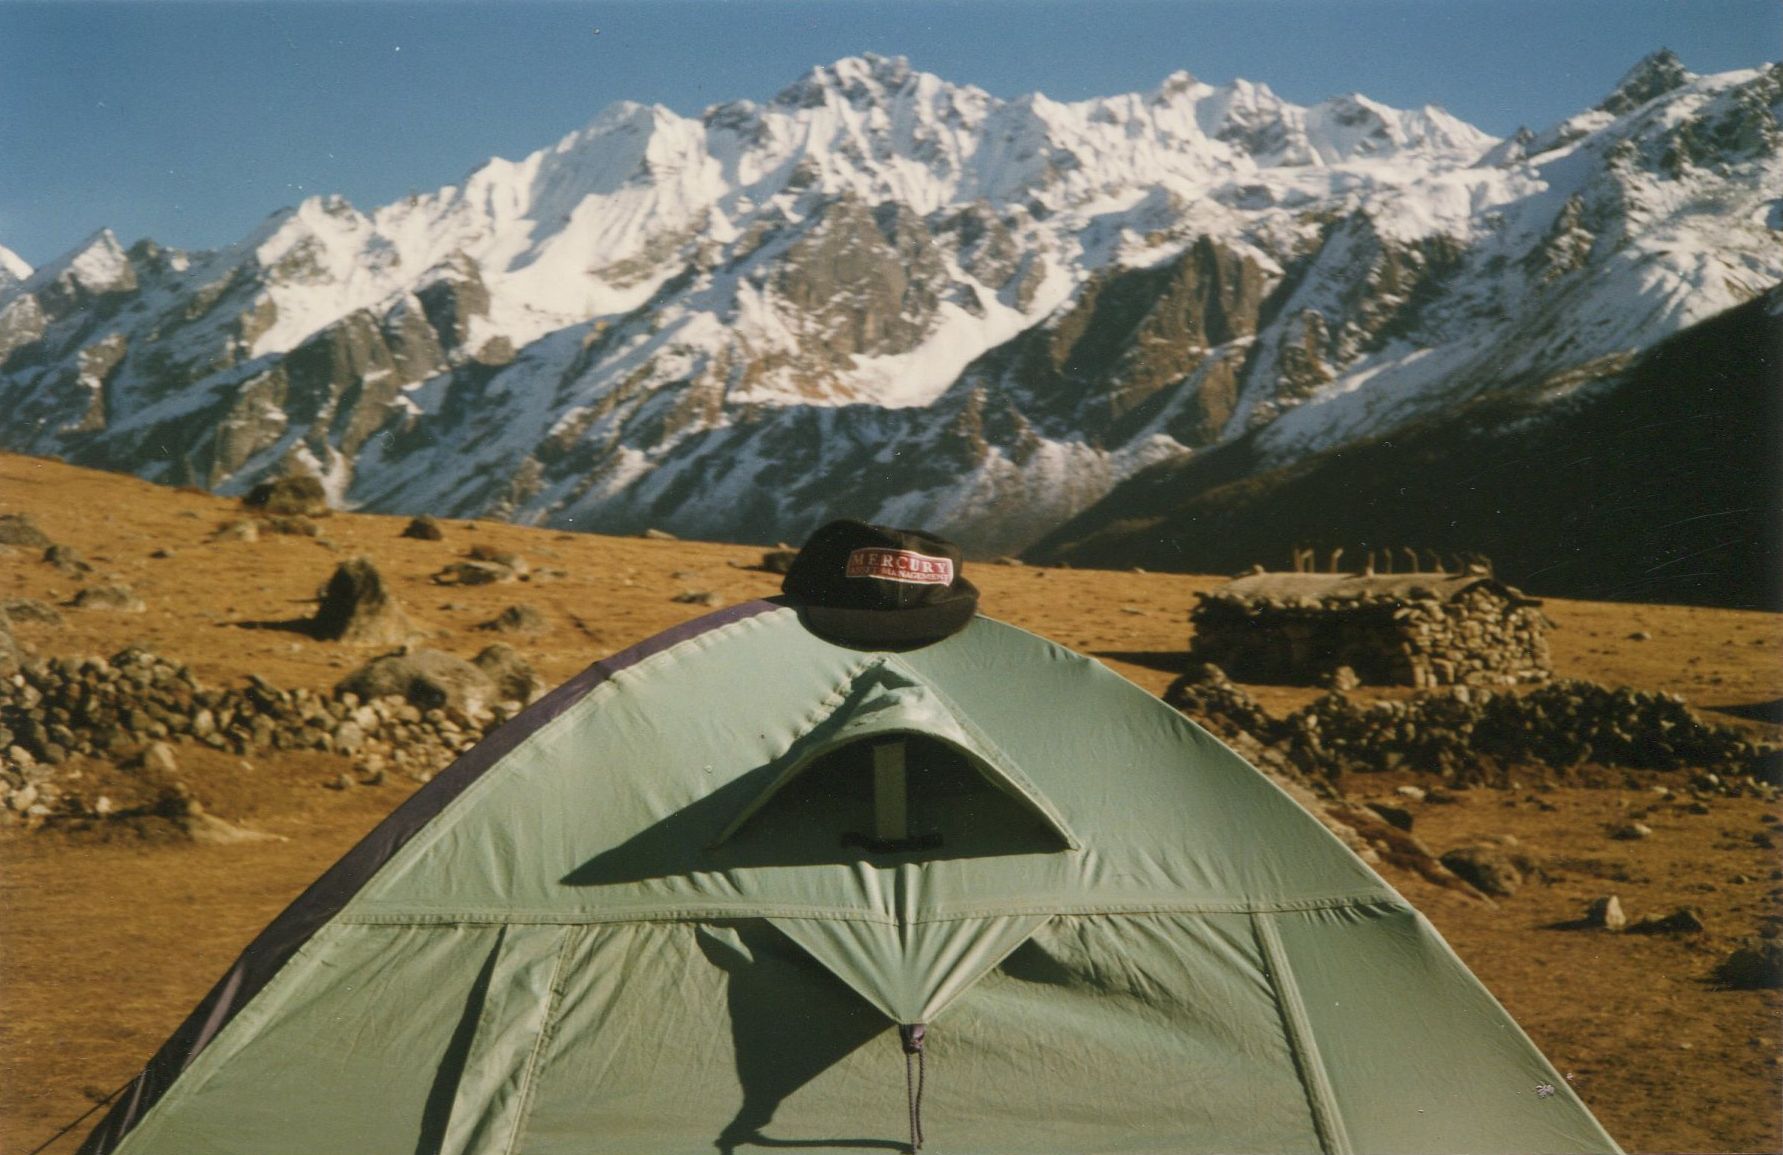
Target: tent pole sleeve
column 1327, row 1120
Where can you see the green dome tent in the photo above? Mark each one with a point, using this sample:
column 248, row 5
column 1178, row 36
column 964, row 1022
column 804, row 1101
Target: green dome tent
column 684, row 902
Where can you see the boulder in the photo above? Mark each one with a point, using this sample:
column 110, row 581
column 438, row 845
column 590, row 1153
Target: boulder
column 1755, row 965
column 31, row 610
column 110, row 597
column 1488, row 869
column 475, row 573
column 698, row 598
column 158, row 758
column 355, row 607
column 291, row 524
column 658, row 535
column 424, row 528
column 427, row 679
column 66, row 560
column 495, row 555
column 517, row 619
column 299, row 494
column 1397, row 817
column 778, row 560
column 19, row 529
column 1684, row 920
column 512, row 674
column 241, row 529
column 188, row 815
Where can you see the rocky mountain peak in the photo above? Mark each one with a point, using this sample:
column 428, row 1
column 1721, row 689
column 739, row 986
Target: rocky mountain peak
column 1510, row 150
column 1654, row 76
column 856, row 80
column 96, row 265
column 1178, row 83
column 14, row 269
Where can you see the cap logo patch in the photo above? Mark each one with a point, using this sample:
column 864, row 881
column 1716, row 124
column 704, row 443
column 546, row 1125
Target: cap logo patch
column 900, row 565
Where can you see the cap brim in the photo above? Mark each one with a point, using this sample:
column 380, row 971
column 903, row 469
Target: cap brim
column 892, row 629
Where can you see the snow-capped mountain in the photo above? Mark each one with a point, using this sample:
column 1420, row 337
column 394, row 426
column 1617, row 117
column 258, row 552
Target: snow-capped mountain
column 888, row 296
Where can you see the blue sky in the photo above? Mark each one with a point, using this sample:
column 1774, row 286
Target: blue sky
column 189, row 122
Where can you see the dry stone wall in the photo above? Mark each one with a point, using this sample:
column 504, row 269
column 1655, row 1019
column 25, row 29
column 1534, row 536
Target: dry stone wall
column 1407, row 635
column 54, row 709
column 1474, row 737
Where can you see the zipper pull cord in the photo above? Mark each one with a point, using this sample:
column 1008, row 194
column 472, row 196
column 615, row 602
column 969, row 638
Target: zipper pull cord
column 911, row 1036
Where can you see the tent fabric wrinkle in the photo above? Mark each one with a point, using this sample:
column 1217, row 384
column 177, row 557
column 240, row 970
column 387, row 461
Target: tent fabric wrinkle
column 640, row 917
column 910, row 972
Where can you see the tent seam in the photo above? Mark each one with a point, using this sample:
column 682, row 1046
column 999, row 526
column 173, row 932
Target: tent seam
column 1333, row 1139
column 1012, row 771
column 706, row 913
column 547, row 1029
column 825, row 708
column 820, row 713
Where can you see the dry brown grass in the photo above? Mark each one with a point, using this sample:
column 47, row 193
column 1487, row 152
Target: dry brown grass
column 107, row 944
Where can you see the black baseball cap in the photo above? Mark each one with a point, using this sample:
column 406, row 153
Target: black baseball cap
column 874, row 587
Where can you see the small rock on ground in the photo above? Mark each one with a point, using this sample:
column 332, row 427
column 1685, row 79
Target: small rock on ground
column 110, row 597
column 299, row 494
column 1487, row 868
column 424, row 528
column 1684, row 920
column 1606, row 912
column 517, row 619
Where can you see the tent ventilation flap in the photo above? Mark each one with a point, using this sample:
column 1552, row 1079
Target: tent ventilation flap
column 923, row 769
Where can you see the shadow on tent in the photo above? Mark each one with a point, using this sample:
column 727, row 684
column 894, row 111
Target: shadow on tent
column 791, row 1020
column 823, row 816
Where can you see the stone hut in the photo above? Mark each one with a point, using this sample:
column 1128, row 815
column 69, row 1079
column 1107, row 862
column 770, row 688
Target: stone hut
column 1417, row 629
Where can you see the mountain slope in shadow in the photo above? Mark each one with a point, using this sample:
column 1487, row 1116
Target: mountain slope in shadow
column 1657, row 481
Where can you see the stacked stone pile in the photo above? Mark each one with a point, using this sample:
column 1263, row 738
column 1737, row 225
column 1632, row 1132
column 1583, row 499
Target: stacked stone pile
column 1214, row 701
column 10, row 654
column 53, row 709
column 1207, row 695
column 1468, row 735
column 1419, row 630
column 1561, row 725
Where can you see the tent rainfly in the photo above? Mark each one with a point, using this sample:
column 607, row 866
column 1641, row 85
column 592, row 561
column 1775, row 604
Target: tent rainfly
column 742, row 887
